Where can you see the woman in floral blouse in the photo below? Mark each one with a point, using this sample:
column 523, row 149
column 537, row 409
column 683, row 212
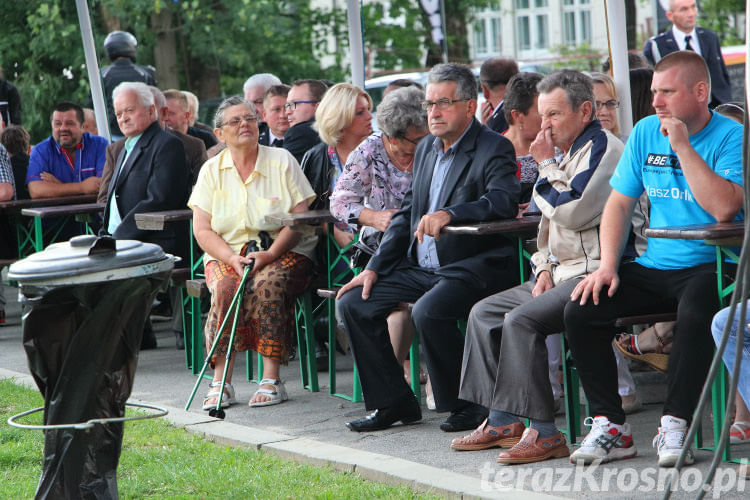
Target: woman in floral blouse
column 374, row 181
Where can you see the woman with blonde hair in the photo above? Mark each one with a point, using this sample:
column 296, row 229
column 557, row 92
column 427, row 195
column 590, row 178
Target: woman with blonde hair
column 343, row 121
column 605, row 95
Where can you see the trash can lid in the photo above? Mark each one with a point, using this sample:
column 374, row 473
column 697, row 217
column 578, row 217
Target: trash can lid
column 90, row 259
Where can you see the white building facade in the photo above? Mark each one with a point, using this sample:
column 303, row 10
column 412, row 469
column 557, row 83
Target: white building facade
column 535, row 30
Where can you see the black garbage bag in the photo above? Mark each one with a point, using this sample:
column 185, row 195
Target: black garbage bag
column 82, row 344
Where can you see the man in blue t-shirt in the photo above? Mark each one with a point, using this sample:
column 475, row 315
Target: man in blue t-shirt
column 71, row 161
column 688, row 161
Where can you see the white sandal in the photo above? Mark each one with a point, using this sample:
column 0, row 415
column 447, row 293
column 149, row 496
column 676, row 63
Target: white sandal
column 739, row 432
column 227, row 400
column 278, row 394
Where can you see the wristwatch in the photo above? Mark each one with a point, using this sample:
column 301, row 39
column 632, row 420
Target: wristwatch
column 546, row 162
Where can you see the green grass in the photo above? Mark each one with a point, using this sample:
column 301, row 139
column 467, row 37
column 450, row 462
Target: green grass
column 161, row 461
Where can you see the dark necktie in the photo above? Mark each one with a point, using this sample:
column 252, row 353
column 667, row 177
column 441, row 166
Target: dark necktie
column 687, row 43
column 278, row 143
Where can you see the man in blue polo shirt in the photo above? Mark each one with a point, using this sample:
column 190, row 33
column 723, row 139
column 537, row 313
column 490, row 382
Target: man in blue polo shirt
column 68, row 163
column 688, row 160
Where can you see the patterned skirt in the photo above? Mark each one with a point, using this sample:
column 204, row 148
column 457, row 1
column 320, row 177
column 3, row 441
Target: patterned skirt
column 266, row 319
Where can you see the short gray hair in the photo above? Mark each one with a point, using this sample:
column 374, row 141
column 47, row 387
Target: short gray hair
column 462, row 75
column 265, row 80
column 235, row 100
column 145, row 97
column 400, row 110
column 159, row 100
column 578, row 87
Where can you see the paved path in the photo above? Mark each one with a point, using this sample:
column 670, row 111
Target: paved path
column 310, row 428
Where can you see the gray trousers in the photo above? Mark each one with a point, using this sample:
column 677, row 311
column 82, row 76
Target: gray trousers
column 505, row 363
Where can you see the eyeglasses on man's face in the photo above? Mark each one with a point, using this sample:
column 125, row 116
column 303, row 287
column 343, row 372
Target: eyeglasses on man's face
column 610, row 105
column 291, row 106
column 441, row 104
column 235, row 122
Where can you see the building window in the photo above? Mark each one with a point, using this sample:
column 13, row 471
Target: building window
column 524, row 32
column 496, row 45
column 576, row 22
column 480, row 36
column 522, row 4
column 541, row 32
column 585, row 26
column 569, row 28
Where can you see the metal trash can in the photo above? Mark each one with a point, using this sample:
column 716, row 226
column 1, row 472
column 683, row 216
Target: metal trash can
column 84, row 305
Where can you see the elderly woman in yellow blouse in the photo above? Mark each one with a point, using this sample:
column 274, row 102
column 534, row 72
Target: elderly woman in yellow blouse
column 234, row 193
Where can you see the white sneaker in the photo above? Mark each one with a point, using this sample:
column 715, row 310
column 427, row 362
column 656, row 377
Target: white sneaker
column 605, row 442
column 670, row 440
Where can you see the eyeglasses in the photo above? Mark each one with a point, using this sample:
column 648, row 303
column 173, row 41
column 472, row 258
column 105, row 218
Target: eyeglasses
column 293, row 105
column 611, row 104
column 235, row 122
column 441, row 104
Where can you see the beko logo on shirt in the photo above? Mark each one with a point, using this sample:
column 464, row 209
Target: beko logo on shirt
column 673, row 193
column 655, row 160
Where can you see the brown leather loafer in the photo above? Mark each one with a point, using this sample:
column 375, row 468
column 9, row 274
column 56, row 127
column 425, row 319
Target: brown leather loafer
column 486, row 436
column 531, row 448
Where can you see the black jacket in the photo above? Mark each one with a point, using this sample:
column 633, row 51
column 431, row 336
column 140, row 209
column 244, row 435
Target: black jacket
column 481, row 185
column 154, row 178
column 318, row 169
column 12, row 112
column 208, row 138
column 497, row 121
column 300, row 138
column 721, row 89
column 123, row 70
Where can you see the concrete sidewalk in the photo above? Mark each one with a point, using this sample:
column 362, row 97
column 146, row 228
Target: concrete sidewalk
column 310, row 428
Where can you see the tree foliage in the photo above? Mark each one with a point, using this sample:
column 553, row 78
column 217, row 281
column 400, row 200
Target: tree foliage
column 219, row 43
column 210, row 46
column 722, row 17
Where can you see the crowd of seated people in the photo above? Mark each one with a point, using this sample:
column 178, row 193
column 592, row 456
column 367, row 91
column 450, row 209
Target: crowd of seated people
column 436, row 161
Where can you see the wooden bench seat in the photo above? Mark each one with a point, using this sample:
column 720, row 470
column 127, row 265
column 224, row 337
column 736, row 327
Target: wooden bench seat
column 197, row 288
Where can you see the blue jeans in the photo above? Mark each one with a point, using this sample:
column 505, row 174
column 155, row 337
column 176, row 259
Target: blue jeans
column 717, row 328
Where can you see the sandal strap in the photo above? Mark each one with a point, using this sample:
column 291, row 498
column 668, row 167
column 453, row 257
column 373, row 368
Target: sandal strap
column 659, row 338
column 228, row 389
column 633, row 345
column 269, row 381
column 266, row 391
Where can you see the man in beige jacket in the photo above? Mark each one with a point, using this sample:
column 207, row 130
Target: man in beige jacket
column 505, row 357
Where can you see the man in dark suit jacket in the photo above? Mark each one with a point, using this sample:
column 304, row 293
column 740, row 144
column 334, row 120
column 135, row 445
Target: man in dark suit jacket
column 277, row 122
column 494, row 76
column 149, row 173
column 301, row 103
column 195, row 150
column 684, row 35
column 463, row 173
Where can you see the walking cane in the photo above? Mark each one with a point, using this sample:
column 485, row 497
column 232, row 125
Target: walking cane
column 234, row 306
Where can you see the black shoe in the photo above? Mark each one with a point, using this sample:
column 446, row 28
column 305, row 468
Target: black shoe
column 179, row 341
column 161, row 312
column 148, row 341
column 321, row 356
column 467, row 418
column 382, row 418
